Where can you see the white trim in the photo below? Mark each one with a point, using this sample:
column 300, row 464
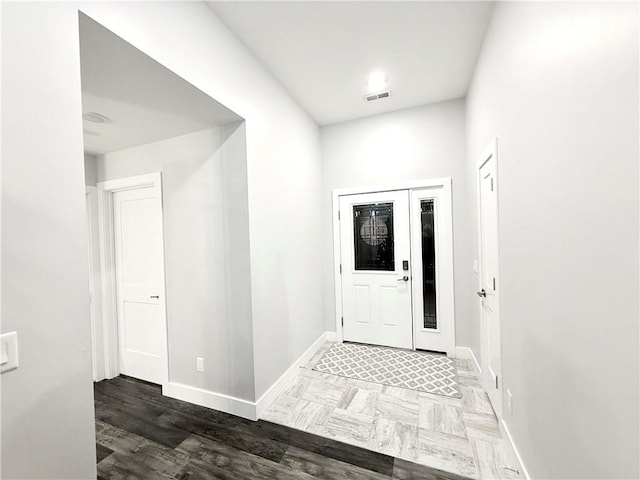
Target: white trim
column 337, row 261
column 108, row 274
column 90, row 193
column 409, row 185
column 206, row 398
column 489, row 151
column 108, row 284
column 138, row 181
column 515, row 449
column 467, row 352
column 331, row 336
column 239, row 406
column 287, row 377
column 335, row 196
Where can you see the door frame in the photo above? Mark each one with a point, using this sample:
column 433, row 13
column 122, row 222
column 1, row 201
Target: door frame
column 444, row 182
column 490, row 152
column 108, row 269
column 95, row 310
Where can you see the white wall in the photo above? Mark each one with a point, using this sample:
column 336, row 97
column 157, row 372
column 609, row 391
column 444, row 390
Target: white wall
column 47, row 403
column 204, row 180
column 283, row 167
column 47, row 415
column 418, row 143
column 557, row 83
column 90, row 169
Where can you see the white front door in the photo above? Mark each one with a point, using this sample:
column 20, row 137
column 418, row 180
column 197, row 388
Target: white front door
column 489, row 278
column 376, row 280
column 137, row 218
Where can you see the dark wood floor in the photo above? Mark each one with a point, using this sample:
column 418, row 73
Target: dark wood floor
column 141, row 434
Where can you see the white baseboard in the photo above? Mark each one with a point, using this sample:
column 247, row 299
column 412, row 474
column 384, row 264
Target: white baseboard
column 238, row 406
column 287, row 377
column 513, row 445
column 331, row 336
column 467, row 352
column 206, row 398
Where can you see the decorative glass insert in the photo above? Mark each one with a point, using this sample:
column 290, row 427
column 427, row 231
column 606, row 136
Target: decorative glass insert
column 428, row 263
column 373, row 236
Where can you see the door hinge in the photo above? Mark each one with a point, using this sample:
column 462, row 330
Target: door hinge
column 342, row 321
column 492, row 184
column 340, row 269
column 338, row 214
column 494, row 284
column 496, row 382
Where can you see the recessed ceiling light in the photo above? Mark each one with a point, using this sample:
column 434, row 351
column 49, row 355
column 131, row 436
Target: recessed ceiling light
column 95, row 117
column 377, row 81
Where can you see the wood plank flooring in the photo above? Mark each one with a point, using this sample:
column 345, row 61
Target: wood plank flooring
column 142, row 435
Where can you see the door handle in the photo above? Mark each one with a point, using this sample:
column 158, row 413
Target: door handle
column 482, row 293
column 403, row 279
column 154, row 296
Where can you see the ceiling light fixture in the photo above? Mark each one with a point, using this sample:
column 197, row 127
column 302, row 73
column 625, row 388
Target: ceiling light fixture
column 95, row 117
column 377, row 81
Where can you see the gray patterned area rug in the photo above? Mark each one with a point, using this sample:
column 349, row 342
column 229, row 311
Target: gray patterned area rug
column 391, row 366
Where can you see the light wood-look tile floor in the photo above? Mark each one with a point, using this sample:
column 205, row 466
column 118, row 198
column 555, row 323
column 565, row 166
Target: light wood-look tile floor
column 457, row 435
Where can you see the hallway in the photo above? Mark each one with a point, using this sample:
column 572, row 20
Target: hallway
column 457, row 435
column 144, row 435
column 486, row 152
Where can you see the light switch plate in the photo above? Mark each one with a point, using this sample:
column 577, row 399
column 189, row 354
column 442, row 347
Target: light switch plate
column 8, row 351
column 476, row 267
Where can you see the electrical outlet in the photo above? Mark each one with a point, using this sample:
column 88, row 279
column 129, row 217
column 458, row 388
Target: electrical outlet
column 200, row 364
column 509, row 402
column 8, row 351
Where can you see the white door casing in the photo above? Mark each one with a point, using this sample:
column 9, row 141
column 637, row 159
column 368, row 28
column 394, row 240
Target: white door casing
column 133, row 278
column 440, row 190
column 441, row 338
column 376, row 304
column 490, row 276
column 95, row 303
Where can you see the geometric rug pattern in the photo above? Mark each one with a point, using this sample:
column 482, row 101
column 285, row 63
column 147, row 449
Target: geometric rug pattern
column 391, row 366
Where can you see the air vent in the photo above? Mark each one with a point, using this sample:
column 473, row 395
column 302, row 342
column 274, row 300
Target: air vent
column 95, row 117
column 376, row 96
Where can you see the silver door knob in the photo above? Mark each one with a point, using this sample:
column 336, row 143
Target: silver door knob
column 403, row 279
column 482, row 293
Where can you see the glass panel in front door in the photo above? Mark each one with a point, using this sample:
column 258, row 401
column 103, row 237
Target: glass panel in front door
column 428, row 263
column 373, row 237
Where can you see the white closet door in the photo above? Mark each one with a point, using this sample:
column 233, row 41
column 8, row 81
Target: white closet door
column 140, row 282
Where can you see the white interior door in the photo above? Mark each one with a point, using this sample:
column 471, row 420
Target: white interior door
column 432, row 266
column 489, row 278
column 139, row 262
column 375, row 256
